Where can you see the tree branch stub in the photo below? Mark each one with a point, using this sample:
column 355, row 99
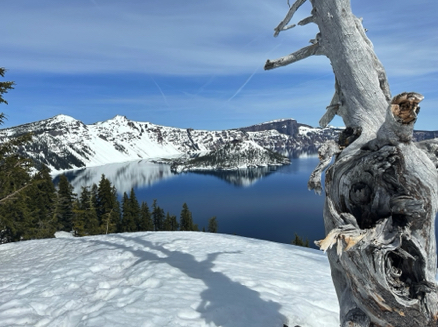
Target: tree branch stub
column 381, row 190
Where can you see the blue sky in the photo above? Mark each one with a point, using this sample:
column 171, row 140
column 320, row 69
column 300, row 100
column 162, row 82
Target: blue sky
column 196, row 63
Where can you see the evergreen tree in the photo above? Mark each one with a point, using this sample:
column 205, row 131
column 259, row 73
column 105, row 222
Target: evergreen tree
column 135, row 210
column 4, row 86
column 64, row 205
column 212, row 225
column 85, row 219
column 15, row 214
column 299, row 241
column 108, row 207
column 89, row 203
column 146, row 223
column 130, row 213
column 170, row 223
column 41, row 201
column 157, row 216
column 128, row 223
column 186, row 221
column 78, row 223
column 14, row 219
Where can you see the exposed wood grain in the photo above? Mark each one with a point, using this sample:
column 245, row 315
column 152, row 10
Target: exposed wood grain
column 381, row 189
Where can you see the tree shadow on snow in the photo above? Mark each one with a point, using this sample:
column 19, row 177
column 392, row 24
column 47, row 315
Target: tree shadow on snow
column 224, row 302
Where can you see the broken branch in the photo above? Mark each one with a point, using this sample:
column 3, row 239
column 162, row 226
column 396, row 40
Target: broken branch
column 311, row 50
column 288, row 17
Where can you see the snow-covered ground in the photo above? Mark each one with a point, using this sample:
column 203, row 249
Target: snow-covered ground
column 164, row 279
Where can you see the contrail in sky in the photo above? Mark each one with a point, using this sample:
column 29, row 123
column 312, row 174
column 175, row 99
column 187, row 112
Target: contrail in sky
column 161, row 91
column 243, row 85
column 249, row 78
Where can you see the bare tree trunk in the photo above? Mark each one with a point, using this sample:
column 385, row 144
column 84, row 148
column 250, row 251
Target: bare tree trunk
column 381, row 191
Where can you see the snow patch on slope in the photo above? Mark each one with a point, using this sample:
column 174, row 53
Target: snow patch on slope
column 64, row 143
column 164, row 279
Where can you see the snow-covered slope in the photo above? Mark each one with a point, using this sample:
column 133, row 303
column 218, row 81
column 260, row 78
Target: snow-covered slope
column 161, row 279
column 63, row 142
column 233, row 156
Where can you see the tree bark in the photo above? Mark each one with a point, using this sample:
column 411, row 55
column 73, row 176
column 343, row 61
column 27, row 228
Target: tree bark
column 381, row 190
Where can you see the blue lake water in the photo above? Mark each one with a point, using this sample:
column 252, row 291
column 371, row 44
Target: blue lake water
column 259, row 203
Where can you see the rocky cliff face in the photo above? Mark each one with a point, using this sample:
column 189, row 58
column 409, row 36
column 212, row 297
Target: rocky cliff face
column 234, row 155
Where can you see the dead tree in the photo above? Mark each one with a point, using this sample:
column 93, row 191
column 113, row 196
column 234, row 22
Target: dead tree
column 381, row 190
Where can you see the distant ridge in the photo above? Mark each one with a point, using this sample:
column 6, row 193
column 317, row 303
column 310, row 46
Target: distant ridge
column 64, row 143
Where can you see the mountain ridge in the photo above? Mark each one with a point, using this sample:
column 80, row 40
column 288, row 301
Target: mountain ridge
column 65, row 143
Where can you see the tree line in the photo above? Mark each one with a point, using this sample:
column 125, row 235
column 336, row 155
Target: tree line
column 31, row 207
column 41, row 209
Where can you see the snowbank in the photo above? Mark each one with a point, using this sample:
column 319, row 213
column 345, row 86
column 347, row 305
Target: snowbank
column 164, row 279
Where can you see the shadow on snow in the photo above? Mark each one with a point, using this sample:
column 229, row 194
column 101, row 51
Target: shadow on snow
column 224, row 302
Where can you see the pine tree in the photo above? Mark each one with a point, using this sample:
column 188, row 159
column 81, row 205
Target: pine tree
column 186, row 221
column 170, row 223
column 157, row 216
column 41, row 202
column 146, row 223
column 78, row 222
column 128, row 222
column 299, row 241
column 85, row 219
column 135, row 210
column 212, row 225
column 4, row 86
column 108, row 208
column 16, row 221
column 89, row 202
column 64, row 205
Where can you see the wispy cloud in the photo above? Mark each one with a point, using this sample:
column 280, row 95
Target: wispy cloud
column 201, row 61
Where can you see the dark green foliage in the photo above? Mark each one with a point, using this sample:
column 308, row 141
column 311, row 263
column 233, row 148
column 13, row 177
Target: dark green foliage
column 78, row 223
column 85, row 220
column 299, row 241
column 131, row 213
column 4, row 87
column 146, row 223
column 14, row 218
column 41, row 199
column 135, row 210
column 64, row 205
column 157, row 217
column 15, row 179
column 170, row 223
column 185, row 220
column 108, row 207
column 212, row 225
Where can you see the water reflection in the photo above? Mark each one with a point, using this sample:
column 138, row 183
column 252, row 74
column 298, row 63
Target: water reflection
column 144, row 173
column 123, row 176
column 263, row 203
column 241, row 177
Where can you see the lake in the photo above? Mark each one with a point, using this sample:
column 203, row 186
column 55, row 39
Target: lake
column 263, row 203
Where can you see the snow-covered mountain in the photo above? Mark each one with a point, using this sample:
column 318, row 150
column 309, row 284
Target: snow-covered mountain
column 64, row 143
column 156, row 279
column 234, row 155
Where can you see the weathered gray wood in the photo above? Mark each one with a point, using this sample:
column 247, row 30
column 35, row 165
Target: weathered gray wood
column 381, row 190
